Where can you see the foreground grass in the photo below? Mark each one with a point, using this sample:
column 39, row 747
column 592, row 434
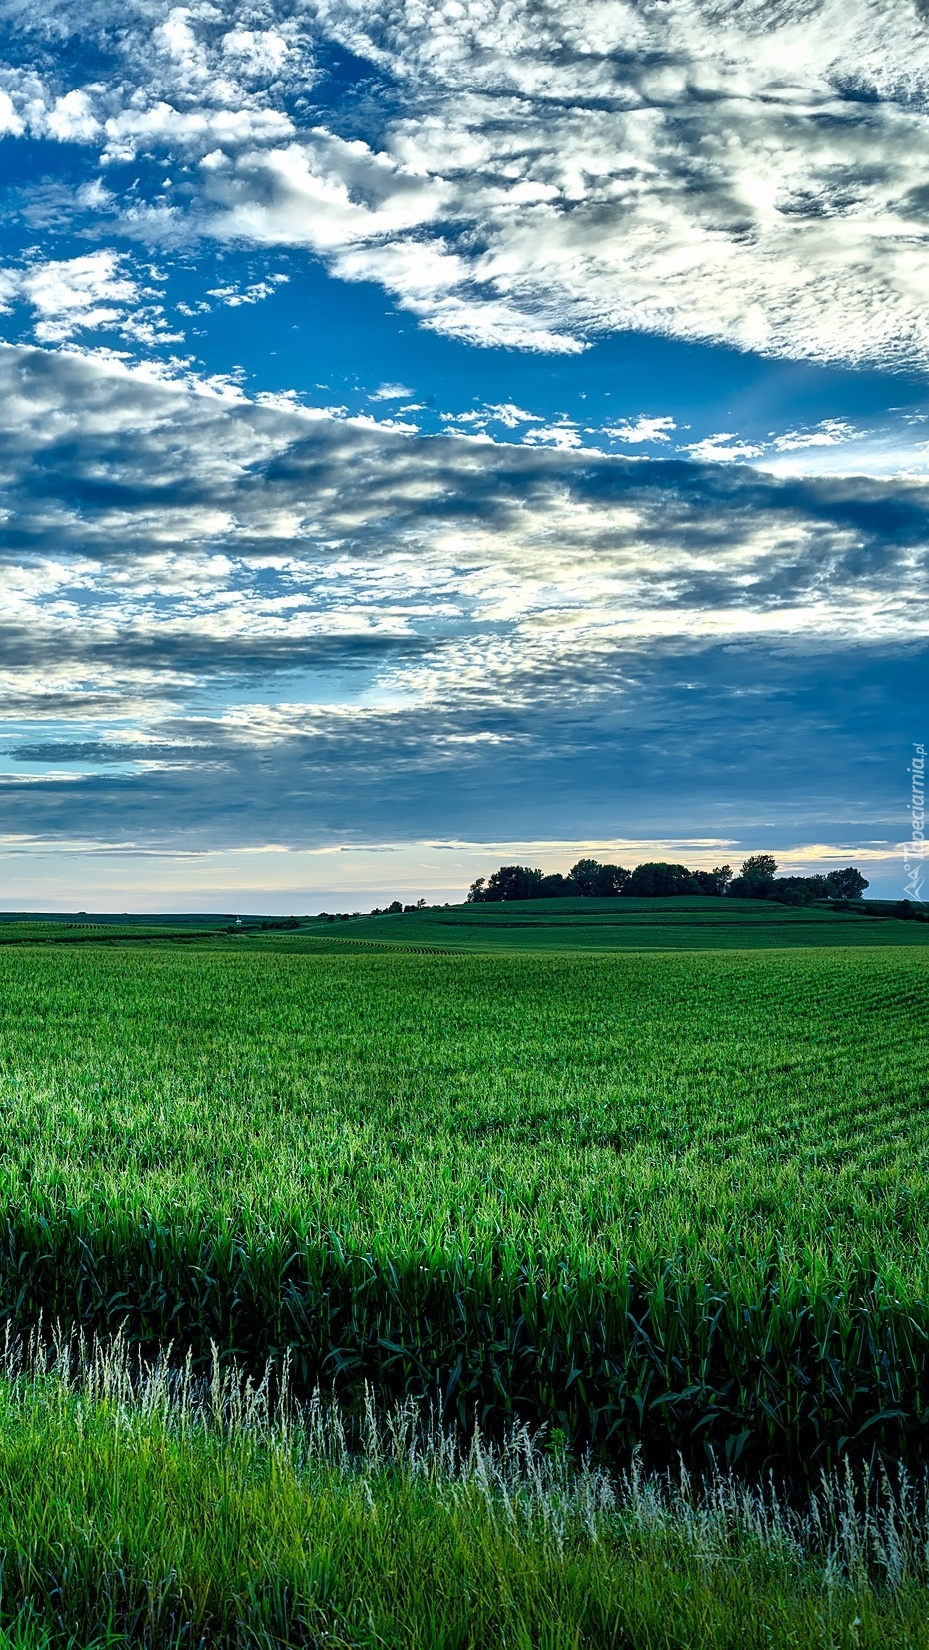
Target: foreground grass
column 155, row 1512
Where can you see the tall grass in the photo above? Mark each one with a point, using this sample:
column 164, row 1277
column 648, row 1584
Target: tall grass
column 677, row 1202
column 146, row 1506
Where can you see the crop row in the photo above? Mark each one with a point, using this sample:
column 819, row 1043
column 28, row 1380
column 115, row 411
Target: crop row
column 725, row 1359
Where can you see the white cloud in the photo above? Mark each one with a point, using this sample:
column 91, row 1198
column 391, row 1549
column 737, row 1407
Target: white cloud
column 10, row 122
column 715, row 169
column 641, row 429
column 71, row 119
column 508, row 414
column 257, row 52
column 234, row 296
column 407, row 606
column 724, row 448
column 710, row 169
column 96, row 290
column 69, row 295
column 367, row 529
column 213, row 133
column 390, row 392
column 829, row 433
column 95, row 196
column 323, row 191
column 501, row 412
column 553, row 435
column 176, row 37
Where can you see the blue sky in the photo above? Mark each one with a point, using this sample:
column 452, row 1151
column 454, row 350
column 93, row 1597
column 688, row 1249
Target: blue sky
column 439, row 433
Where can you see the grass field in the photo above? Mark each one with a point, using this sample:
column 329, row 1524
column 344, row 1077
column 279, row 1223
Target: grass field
column 659, row 1198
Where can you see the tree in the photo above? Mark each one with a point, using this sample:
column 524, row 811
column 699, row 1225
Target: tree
column 554, row 886
column 756, row 880
column 838, row 885
column 786, row 893
column 394, row 907
column 759, row 868
column 801, row 890
column 817, row 885
column 658, row 880
column 583, row 876
column 797, row 890
column 847, row 884
column 591, row 879
column 510, row 882
column 613, row 880
column 715, row 881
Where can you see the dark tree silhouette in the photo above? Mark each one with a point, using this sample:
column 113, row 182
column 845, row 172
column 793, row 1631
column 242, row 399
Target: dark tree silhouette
column 589, row 878
column 715, row 881
column 847, row 884
column 658, row 880
column 510, row 882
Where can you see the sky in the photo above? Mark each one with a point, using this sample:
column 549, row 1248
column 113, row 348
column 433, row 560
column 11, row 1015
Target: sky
column 441, row 432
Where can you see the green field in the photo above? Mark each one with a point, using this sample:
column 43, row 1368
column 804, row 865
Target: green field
column 600, row 1171
column 680, row 1199
column 683, row 924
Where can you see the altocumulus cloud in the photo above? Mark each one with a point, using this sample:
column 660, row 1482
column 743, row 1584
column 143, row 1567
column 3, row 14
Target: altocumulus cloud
column 750, row 171
column 231, row 622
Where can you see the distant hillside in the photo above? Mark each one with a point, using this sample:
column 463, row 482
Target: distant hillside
column 623, row 924
column 685, row 923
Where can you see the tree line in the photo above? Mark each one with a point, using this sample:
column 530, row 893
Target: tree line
column 658, row 880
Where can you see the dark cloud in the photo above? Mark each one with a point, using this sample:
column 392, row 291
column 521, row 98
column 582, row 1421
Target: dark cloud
column 733, row 738
column 289, row 627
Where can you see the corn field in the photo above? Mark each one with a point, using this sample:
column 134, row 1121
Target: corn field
column 678, row 1203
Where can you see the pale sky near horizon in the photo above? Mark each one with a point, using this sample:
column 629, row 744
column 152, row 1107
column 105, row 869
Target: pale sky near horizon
column 437, row 434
